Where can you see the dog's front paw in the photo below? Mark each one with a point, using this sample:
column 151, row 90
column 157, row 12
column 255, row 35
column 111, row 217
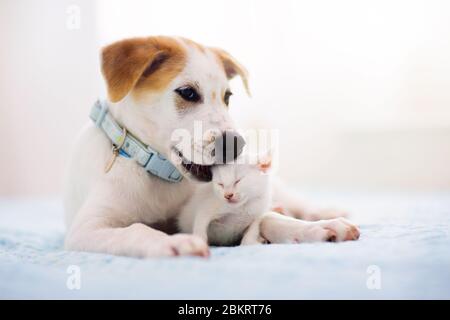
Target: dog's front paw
column 340, row 228
column 332, row 230
column 187, row 245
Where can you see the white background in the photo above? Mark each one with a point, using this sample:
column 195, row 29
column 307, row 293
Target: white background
column 360, row 90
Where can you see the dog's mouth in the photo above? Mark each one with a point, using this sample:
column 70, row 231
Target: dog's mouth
column 198, row 171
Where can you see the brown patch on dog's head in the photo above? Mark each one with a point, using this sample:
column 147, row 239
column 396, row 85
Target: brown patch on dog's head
column 232, row 67
column 142, row 64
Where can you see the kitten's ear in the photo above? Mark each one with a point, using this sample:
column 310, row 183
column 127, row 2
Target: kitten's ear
column 265, row 161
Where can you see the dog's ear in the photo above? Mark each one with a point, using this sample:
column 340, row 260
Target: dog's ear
column 152, row 62
column 232, row 67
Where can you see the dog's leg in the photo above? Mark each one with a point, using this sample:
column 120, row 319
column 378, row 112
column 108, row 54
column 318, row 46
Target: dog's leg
column 272, row 227
column 99, row 227
column 286, row 202
column 136, row 240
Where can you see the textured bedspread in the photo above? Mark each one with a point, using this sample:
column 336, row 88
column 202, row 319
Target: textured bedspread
column 403, row 252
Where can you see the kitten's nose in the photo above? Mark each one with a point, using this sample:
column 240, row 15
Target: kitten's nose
column 228, row 196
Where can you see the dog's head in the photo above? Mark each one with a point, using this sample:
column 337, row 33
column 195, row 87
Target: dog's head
column 173, row 94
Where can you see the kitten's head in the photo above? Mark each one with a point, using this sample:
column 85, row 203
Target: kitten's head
column 237, row 183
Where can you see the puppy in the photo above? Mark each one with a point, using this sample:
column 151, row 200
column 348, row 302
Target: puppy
column 158, row 89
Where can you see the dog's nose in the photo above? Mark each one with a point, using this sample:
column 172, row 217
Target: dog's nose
column 228, row 196
column 228, row 147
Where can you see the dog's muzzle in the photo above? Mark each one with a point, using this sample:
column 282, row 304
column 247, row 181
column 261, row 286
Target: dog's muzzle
column 227, row 147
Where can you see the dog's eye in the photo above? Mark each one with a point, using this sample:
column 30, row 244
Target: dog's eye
column 237, row 181
column 220, row 184
column 188, row 94
column 226, row 97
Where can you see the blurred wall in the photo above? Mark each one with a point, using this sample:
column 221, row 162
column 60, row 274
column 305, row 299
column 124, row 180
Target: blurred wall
column 48, row 79
column 359, row 90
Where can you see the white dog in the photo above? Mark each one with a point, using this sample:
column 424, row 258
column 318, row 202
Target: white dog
column 117, row 197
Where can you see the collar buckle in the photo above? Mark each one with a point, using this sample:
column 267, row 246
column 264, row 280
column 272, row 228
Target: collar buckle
column 115, row 150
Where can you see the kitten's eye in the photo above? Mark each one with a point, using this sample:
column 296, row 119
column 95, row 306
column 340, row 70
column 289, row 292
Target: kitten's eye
column 188, row 93
column 237, row 181
column 226, row 97
column 220, row 184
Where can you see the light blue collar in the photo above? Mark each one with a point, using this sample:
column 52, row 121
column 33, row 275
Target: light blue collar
column 130, row 147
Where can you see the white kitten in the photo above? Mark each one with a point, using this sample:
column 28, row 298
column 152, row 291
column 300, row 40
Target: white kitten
column 221, row 210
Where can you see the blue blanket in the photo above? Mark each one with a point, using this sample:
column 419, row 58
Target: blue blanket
column 403, row 252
